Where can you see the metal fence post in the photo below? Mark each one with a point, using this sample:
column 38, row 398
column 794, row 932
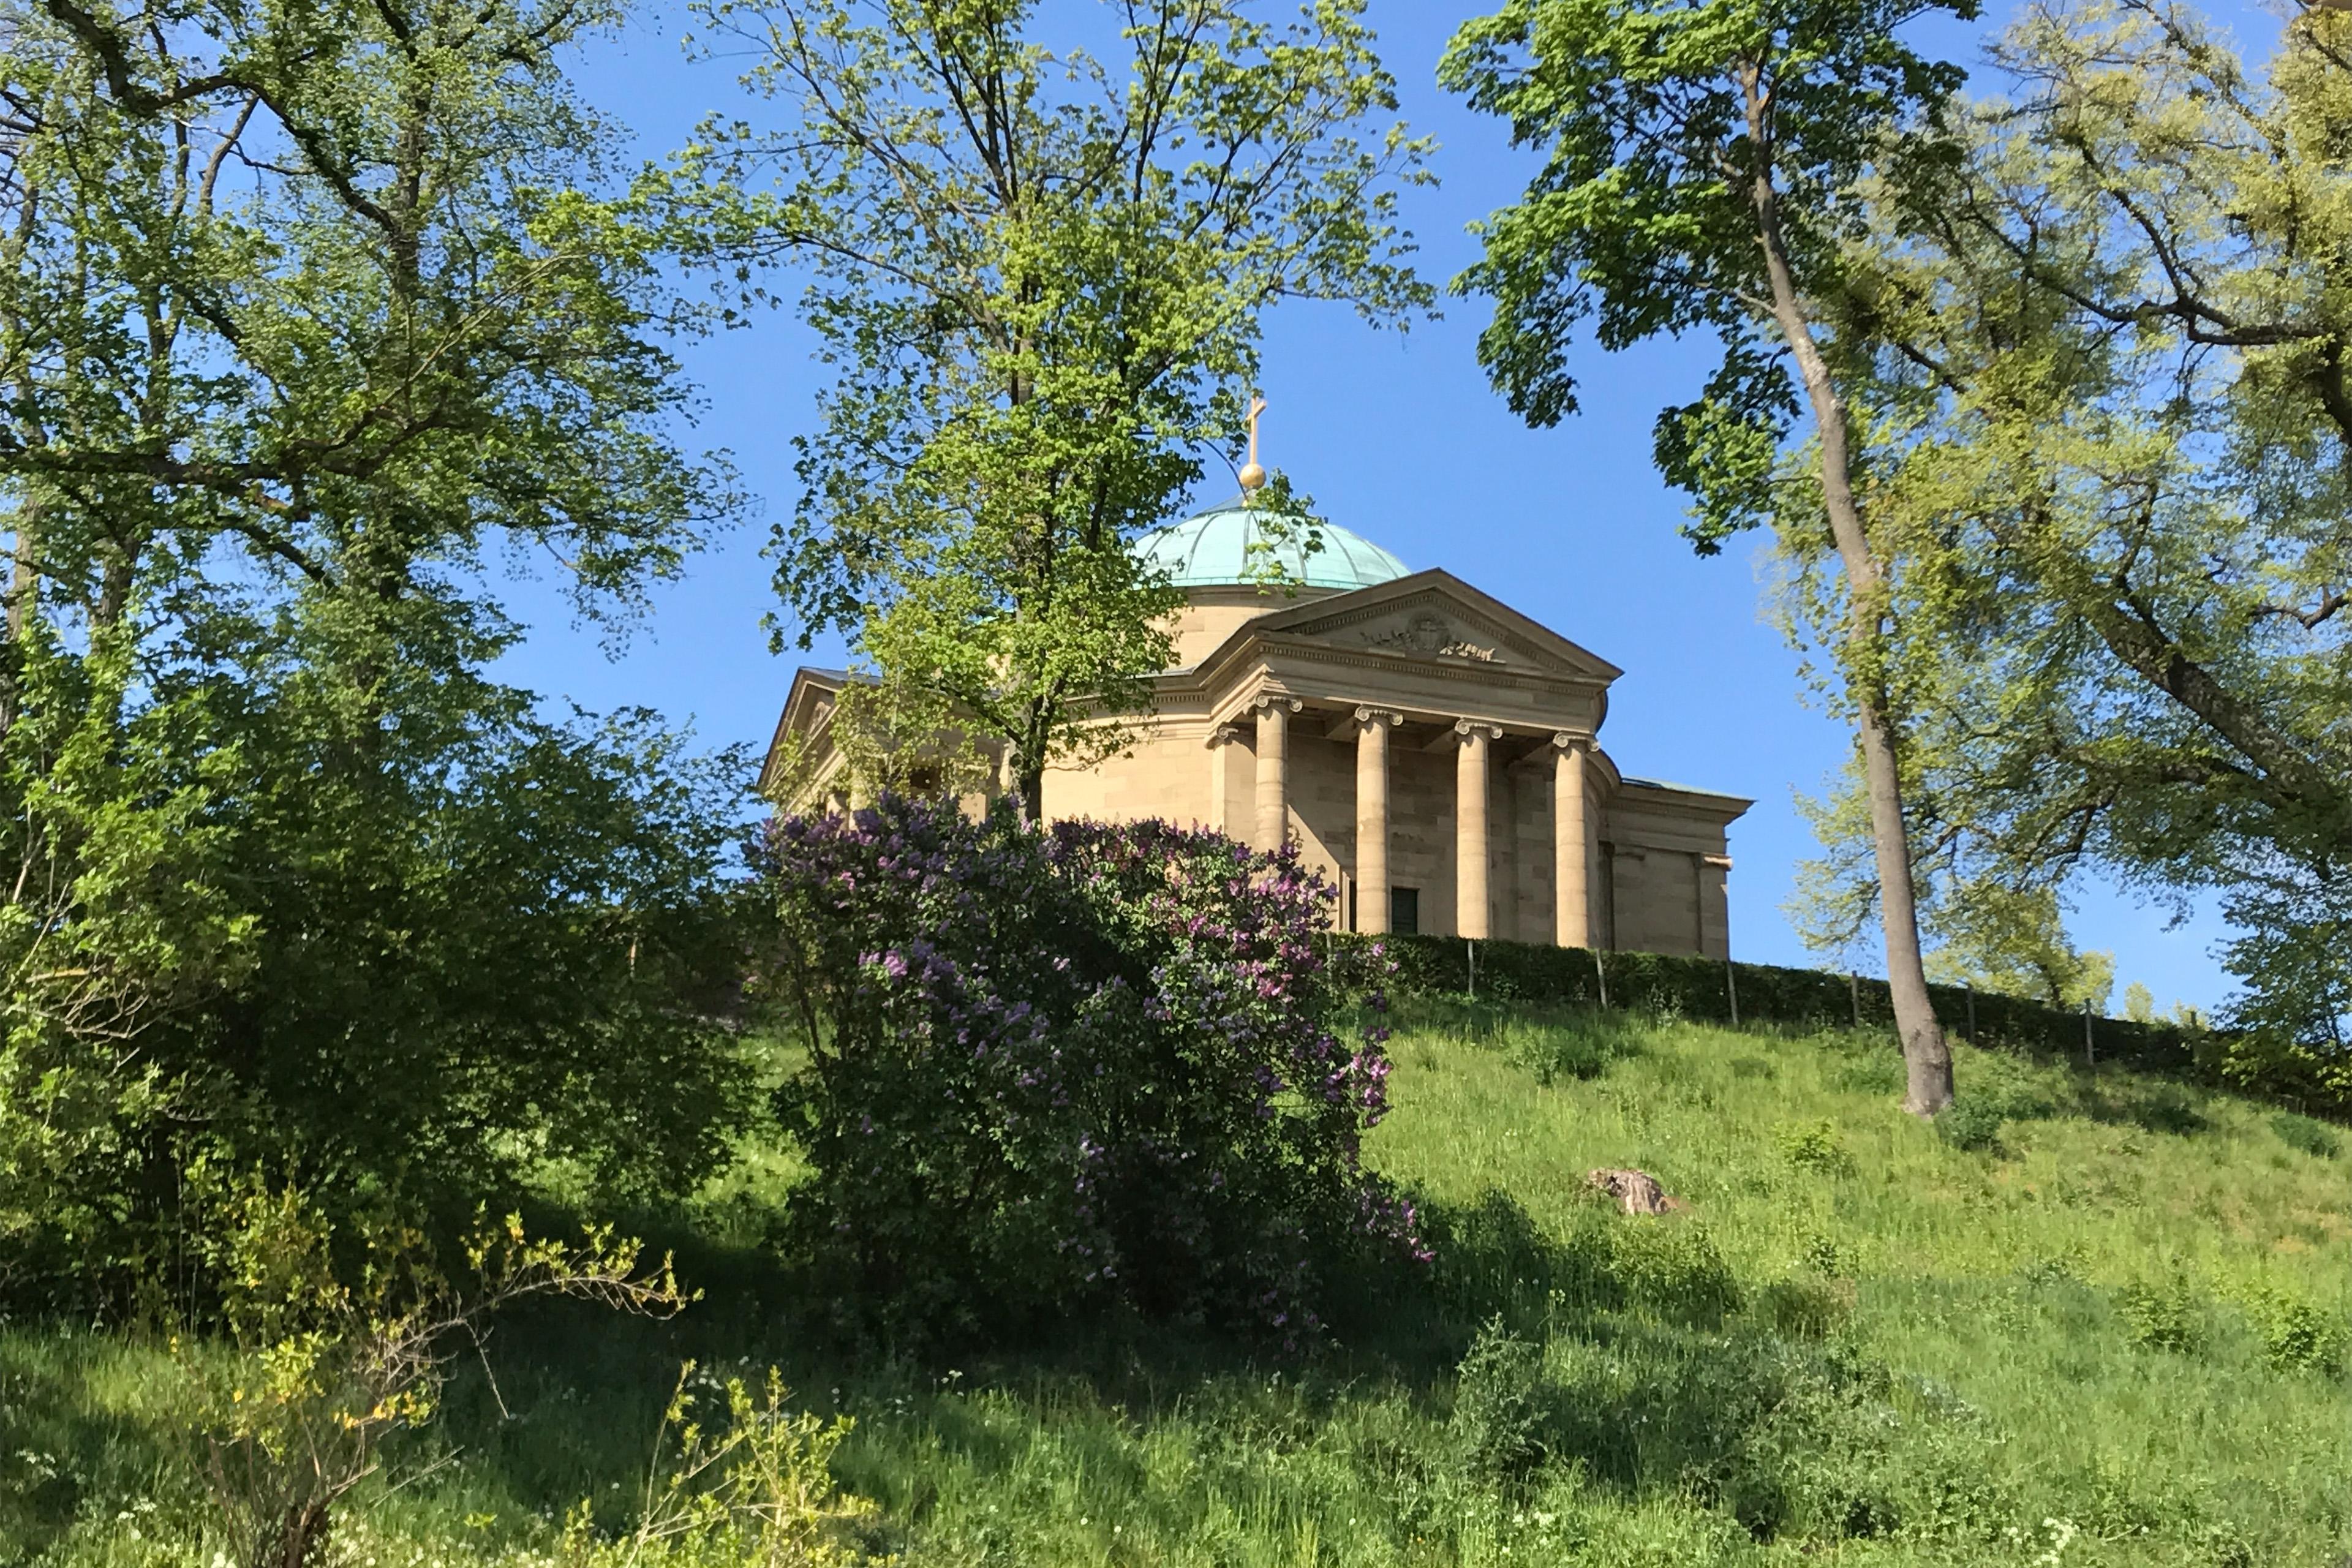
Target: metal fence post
column 1601, row 970
column 1731, row 989
column 1853, row 988
column 1473, row 948
column 2090, row 1051
column 1972, row 1014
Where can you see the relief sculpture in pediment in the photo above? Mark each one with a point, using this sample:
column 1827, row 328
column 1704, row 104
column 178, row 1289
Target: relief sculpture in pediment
column 1430, row 634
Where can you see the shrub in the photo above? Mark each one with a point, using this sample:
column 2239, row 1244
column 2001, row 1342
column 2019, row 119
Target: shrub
column 2168, row 1108
column 1823, row 1256
column 2307, row 1134
column 1800, row 1450
column 2053, row 1268
column 2296, row 1335
column 1973, row 1122
column 2163, row 1315
column 334, row 1355
column 1497, row 1415
column 1807, row 1307
column 1880, row 1072
column 757, row 1492
column 1085, row 1067
column 1674, row 1270
column 1813, row 1146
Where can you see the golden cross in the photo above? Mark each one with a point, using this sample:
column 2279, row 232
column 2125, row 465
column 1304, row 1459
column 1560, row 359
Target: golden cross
column 1253, row 476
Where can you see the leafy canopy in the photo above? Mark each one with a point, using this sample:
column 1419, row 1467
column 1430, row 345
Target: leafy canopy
column 2120, row 442
column 309, row 318
column 1041, row 273
column 1643, row 220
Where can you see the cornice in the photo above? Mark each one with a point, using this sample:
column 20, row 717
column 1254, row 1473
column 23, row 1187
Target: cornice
column 1313, row 649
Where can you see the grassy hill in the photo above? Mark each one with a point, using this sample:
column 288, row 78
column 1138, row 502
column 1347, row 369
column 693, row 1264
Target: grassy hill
column 2096, row 1320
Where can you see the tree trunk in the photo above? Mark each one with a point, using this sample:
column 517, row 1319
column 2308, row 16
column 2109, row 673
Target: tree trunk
column 1927, row 1055
column 114, row 587
column 23, row 585
column 306, row 1530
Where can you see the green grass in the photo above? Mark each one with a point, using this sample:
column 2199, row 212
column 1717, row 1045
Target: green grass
column 2107, row 1323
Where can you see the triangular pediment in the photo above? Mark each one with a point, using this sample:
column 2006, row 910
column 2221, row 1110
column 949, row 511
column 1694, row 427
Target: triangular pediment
column 1435, row 616
column 807, row 708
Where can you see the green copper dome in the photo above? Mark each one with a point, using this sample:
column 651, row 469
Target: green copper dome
column 1212, row 547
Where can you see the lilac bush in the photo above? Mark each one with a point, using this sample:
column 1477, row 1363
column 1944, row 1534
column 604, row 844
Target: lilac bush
column 1088, row 1066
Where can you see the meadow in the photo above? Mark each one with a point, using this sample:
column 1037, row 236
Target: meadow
column 2093, row 1318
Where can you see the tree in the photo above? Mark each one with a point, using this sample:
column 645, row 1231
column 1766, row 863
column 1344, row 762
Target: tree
column 1988, row 928
column 305, row 315
column 1702, row 167
column 2000, row 939
column 1041, row 274
column 2119, row 395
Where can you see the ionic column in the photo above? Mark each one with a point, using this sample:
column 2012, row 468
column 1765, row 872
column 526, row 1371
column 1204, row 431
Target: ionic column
column 1273, row 771
column 1470, row 827
column 1372, row 728
column 1572, row 843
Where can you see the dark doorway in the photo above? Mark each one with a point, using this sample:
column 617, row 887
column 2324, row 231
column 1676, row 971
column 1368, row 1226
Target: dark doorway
column 1404, row 911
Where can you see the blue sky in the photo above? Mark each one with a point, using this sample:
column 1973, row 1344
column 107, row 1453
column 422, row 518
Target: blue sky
column 1398, row 438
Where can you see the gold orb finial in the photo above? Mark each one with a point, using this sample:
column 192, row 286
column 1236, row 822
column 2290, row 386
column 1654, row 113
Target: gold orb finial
column 1253, row 476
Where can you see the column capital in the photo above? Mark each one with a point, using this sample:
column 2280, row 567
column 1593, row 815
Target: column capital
column 1223, row 735
column 1478, row 728
column 1265, row 699
column 1369, row 716
column 1572, row 741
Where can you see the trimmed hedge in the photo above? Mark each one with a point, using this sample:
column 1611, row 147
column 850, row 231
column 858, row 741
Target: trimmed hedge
column 2285, row 1073
column 1714, row 991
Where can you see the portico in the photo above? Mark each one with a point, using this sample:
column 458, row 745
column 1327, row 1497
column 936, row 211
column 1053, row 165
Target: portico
column 1431, row 752
column 1477, row 747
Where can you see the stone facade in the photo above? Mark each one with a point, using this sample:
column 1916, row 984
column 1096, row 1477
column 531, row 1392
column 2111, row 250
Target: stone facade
column 1432, row 753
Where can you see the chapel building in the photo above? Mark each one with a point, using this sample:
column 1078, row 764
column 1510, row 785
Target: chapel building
column 1432, row 753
